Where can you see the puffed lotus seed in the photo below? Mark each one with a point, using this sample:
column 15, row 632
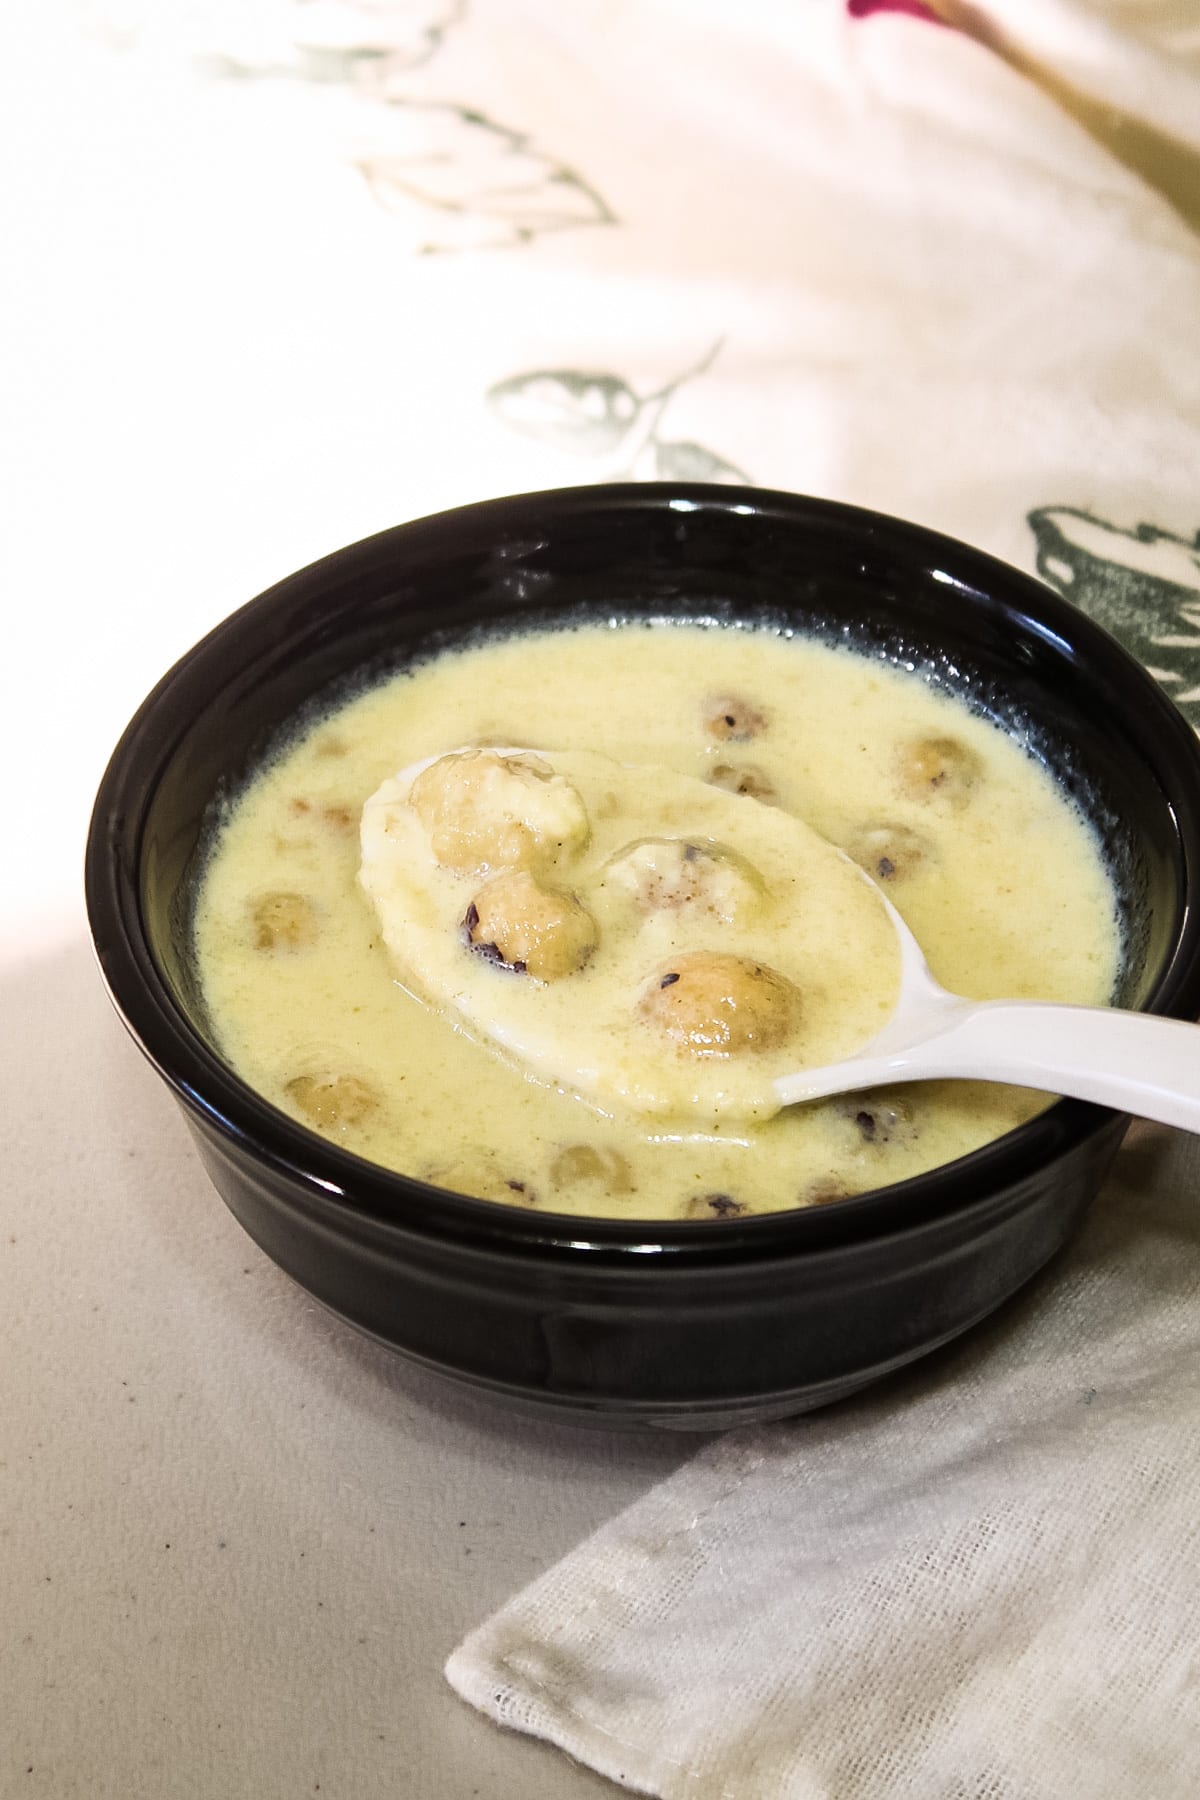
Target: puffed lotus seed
column 283, row 922
column 890, row 852
column 333, row 1101
column 481, row 1179
column 486, row 811
column 942, row 768
column 746, row 779
column 531, row 929
column 822, row 1191
column 673, row 875
column 880, row 1119
column 707, row 1003
column 583, row 1164
column 713, row 1206
column 730, row 719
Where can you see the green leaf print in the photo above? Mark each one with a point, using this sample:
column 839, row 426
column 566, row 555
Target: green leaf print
column 459, row 179
column 692, row 462
column 596, row 413
column 571, row 407
column 1142, row 585
column 477, row 184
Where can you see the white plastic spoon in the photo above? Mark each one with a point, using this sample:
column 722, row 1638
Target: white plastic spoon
column 1132, row 1061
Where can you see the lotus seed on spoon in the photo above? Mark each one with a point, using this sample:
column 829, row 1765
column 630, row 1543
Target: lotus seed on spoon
column 627, row 932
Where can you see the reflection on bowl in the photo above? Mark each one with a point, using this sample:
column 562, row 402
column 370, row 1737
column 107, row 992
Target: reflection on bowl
column 609, row 1320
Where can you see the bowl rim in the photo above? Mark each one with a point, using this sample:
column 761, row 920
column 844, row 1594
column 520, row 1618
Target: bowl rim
column 366, row 1194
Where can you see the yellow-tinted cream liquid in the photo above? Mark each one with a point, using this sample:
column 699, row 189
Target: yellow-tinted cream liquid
column 995, row 870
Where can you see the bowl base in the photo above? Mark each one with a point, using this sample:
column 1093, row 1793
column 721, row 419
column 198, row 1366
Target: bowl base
column 699, row 1416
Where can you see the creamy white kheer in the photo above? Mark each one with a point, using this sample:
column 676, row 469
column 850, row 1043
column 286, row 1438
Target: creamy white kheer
column 540, row 920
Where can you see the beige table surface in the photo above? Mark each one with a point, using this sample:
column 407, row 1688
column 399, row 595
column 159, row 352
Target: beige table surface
column 237, row 1541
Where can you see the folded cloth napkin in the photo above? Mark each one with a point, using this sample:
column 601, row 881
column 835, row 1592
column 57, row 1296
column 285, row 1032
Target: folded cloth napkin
column 982, row 1581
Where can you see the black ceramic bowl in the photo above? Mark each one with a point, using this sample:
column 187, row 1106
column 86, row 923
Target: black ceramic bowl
column 682, row 1324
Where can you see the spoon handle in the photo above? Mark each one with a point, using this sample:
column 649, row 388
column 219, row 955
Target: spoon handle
column 1131, row 1061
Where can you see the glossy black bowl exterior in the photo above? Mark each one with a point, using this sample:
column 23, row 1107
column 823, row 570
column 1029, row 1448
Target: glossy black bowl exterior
column 701, row 1323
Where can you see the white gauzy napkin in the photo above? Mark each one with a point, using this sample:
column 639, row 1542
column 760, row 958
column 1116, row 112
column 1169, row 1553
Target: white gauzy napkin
column 982, row 1582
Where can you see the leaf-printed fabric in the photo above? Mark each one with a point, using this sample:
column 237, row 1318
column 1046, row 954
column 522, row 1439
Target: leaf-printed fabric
column 402, row 34
column 685, row 461
column 472, row 182
column 457, row 175
column 314, row 39
column 598, row 414
column 1142, row 585
column 577, row 409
